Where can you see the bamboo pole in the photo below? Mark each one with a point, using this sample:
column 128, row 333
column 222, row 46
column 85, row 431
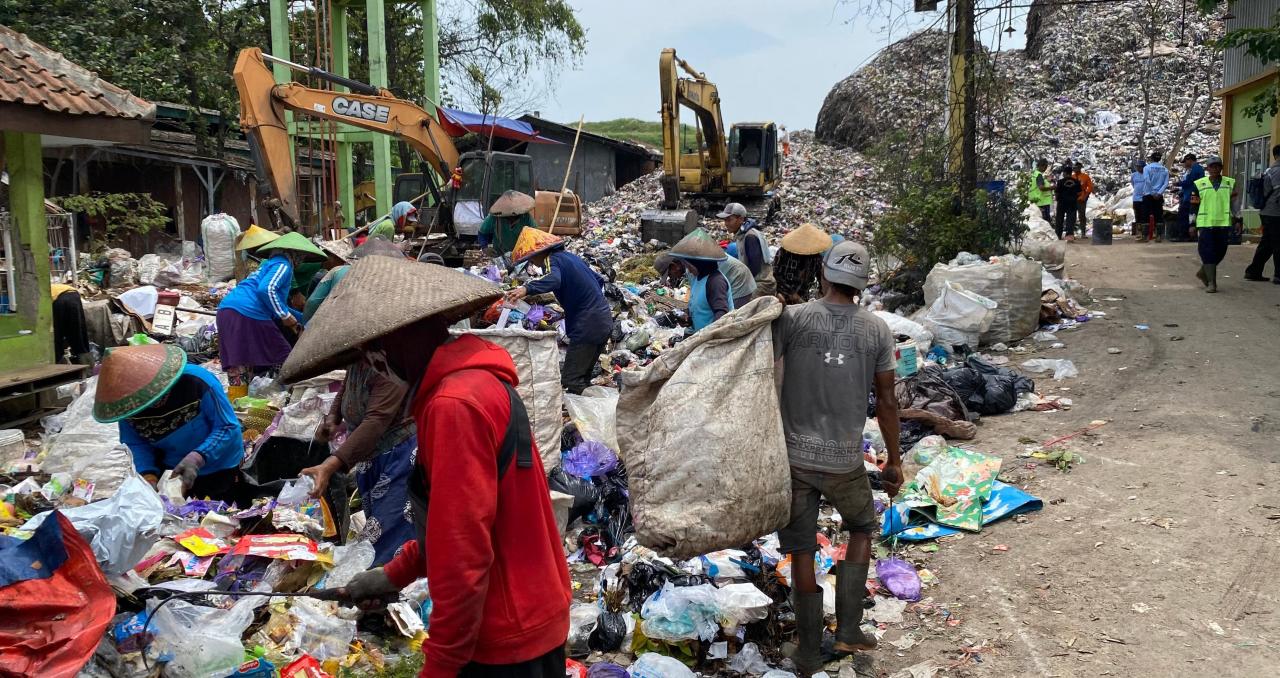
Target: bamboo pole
column 551, row 227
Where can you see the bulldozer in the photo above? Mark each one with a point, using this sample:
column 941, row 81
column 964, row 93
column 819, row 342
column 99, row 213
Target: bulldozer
column 743, row 166
column 449, row 212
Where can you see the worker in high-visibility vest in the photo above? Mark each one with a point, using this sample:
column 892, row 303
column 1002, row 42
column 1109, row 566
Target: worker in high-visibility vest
column 1038, row 191
column 1214, row 194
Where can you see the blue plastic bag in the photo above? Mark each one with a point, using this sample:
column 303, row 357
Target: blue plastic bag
column 589, row 459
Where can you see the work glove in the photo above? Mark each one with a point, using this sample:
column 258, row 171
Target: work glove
column 188, row 469
column 371, row 589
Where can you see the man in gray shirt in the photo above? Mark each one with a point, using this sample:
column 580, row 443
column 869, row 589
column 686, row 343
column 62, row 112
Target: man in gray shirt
column 833, row 352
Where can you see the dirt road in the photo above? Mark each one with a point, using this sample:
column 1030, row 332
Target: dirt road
column 1159, row 555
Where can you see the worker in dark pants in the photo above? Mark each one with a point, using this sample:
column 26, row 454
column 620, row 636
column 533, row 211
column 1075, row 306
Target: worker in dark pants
column 70, row 336
column 1067, row 193
column 1157, row 178
column 1187, row 187
column 588, row 319
column 1269, row 246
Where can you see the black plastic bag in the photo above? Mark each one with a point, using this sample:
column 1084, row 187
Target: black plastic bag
column 585, row 494
column 610, row 630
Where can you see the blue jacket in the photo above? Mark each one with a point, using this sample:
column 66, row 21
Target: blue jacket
column 264, row 295
column 1139, row 186
column 1157, row 178
column 588, row 318
column 214, row 433
column 1188, row 181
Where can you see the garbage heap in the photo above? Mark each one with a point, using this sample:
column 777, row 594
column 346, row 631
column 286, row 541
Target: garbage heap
column 1075, row 92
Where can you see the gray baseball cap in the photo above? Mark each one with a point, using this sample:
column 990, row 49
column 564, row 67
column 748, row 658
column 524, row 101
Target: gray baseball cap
column 847, row 263
column 734, row 209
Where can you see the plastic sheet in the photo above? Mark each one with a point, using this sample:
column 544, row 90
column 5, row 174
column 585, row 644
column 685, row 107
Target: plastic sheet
column 201, row 642
column 582, row 622
column 88, row 449
column 348, row 561
column 317, row 630
column 749, row 661
column 654, row 665
column 594, row 414
column 900, row 325
column 121, row 529
column 899, row 577
column 1062, row 368
column 677, row 613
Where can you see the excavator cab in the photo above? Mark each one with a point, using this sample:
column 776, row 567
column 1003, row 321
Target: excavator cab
column 485, row 176
column 754, row 160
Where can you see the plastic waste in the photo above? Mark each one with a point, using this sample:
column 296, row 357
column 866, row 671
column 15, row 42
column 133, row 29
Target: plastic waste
column 610, row 630
column 749, row 661
column 201, row 642
column 1062, row 367
column 958, row 317
column 585, row 494
column 677, row 613
column 1011, row 283
column 318, row 631
column 742, row 603
column 654, row 665
column 589, row 458
column 929, row 447
column 121, row 529
column 725, row 566
column 899, row 577
column 348, row 561
column 778, row 673
column 296, row 492
column 593, row 413
column 582, row 622
column 606, row 670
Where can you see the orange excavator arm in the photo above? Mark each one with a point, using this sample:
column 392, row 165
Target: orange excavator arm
column 262, row 118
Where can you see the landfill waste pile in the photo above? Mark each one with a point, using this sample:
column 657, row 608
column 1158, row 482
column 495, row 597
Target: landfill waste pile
column 1054, row 103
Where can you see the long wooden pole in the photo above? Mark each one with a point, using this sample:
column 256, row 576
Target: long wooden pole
column 551, row 226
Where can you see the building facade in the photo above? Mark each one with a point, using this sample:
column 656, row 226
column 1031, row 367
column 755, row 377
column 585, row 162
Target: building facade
column 1247, row 140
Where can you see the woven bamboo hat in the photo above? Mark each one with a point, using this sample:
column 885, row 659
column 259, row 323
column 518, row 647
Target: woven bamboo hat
column 806, row 240
column 512, row 204
column 533, row 241
column 294, row 241
column 699, row 245
column 134, row 377
column 255, row 236
column 378, row 296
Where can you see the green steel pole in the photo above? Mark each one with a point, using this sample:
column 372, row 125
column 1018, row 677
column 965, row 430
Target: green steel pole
column 341, row 65
column 430, row 50
column 378, row 78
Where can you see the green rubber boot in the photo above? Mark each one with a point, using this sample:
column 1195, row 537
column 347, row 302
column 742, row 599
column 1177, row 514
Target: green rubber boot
column 1211, row 276
column 1201, row 277
column 851, row 592
column 808, row 654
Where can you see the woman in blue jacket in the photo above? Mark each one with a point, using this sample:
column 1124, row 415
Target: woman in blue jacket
column 172, row 416
column 253, row 317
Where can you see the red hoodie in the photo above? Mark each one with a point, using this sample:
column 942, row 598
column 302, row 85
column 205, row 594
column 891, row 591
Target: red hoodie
column 500, row 588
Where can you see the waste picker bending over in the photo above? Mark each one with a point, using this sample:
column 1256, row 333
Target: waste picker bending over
column 710, row 294
column 833, row 352
column 172, row 416
column 587, row 317
column 486, row 535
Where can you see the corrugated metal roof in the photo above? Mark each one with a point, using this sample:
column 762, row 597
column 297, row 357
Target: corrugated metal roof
column 1238, row 66
column 35, row 75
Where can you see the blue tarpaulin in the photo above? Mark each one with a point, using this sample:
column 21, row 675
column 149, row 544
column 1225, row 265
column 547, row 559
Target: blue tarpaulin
column 458, row 123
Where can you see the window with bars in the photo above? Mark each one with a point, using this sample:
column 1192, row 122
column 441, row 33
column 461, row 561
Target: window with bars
column 8, row 302
column 62, row 255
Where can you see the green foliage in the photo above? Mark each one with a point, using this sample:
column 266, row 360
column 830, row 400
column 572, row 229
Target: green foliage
column 929, row 222
column 119, row 213
column 639, row 131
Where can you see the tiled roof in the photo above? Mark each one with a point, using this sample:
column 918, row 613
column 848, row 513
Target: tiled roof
column 35, row 75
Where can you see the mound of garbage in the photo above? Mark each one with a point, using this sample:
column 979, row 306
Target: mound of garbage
column 1075, row 92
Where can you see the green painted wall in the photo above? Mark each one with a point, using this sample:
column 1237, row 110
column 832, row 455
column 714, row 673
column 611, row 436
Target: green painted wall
column 26, row 338
column 1244, row 126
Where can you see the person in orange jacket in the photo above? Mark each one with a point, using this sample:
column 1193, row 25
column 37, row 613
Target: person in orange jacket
column 1086, row 190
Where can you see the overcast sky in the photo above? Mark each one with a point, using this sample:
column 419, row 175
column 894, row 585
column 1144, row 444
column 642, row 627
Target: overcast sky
column 772, row 59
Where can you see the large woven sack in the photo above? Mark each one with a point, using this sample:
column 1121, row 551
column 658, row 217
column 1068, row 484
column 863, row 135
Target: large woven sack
column 700, row 431
column 1013, row 283
column 219, row 232
column 537, row 359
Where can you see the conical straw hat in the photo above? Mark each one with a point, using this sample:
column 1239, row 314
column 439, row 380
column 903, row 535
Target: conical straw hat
column 134, row 377
column 378, row 296
column 699, row 245
column 533, row 241
column 512, row 204
column 293, row 241
column 255, row 236
column 806, row 240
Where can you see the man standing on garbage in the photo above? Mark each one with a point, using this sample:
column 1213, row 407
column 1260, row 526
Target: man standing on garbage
column 1038, row 192
column 753, row 248
column 1157, row 177
column 833, row 353
column 1214, row 194
column 1187, row 187
column 486, row 535
column 1269, row 246
column 588, row 319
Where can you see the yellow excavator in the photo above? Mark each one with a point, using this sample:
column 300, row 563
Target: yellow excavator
column 453, row 211
column 743, row 167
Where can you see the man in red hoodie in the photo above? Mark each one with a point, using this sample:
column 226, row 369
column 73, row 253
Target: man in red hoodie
column 488, row 540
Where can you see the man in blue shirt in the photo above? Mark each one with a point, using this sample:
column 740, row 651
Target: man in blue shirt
column 1187, row 187
column 1157, row 177
column 588, row 319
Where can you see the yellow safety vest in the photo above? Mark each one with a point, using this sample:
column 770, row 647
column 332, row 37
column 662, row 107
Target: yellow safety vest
column 1034, row 195
column 1215, row 203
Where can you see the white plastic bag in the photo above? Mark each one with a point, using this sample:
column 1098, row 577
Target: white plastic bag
column 594, row 414
column 721, row 568
column 654, row 665
column 743, row 603
column 121, row 529
column 219, row 232
column 349, row 560
column 318, row 630
column 676, row 613
column 900, row 325
column 198, row 641
column 1011, row 283
column 582, row 621
column 957, row 316
column 88, row 449
column 749, row 661
column 1062, row 368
